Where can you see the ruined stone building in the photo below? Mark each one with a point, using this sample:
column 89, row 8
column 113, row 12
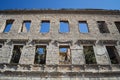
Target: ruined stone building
column 60, row 44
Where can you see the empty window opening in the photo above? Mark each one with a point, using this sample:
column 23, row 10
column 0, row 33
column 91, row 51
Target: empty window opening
column 113, row 54
column 17, row 50
column 45, row 27
column 40, row 56
column 83, row 27
column 26, row 26
column 0, row 46
column 64, row 54
column 118, row 26
column 102, row 27
column 8, row 25
column 64, row 27
column 89, row 55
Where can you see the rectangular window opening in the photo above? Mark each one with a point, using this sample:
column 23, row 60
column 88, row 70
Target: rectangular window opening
column 118, row 26
column 102, row 27
column 83, row 27
column 45, row 27
column 64, row 27
column 17, row 50
column 0, row 45
column 89, row 55
column 8, row 25
column 64, row 55
column 113, row 54
column 26, row 26
column 40, row 56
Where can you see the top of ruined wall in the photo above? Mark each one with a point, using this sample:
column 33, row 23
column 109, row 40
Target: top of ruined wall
column 50, row 11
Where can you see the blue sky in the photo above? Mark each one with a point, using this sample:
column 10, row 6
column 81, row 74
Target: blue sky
column 57, row 4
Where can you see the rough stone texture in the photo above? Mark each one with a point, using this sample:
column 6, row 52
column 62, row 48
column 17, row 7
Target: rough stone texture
column 77, row 70
column 77, row 55
column 6, row 53
column 25, row 57
column 101, row 55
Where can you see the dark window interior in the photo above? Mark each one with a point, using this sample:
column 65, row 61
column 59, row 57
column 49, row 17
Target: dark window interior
column 113, row 54
column 118, row 26
column 102, row 27
column 0, row 46
column 17, row 50
column 89, row 55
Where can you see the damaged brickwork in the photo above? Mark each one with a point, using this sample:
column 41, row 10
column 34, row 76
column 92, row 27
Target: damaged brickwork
column 29, row 54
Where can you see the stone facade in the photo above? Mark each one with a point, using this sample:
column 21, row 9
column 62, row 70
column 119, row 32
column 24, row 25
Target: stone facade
column 25, row 69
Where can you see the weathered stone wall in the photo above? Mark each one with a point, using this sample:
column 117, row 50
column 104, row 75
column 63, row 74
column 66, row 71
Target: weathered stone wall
column 54, row 39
